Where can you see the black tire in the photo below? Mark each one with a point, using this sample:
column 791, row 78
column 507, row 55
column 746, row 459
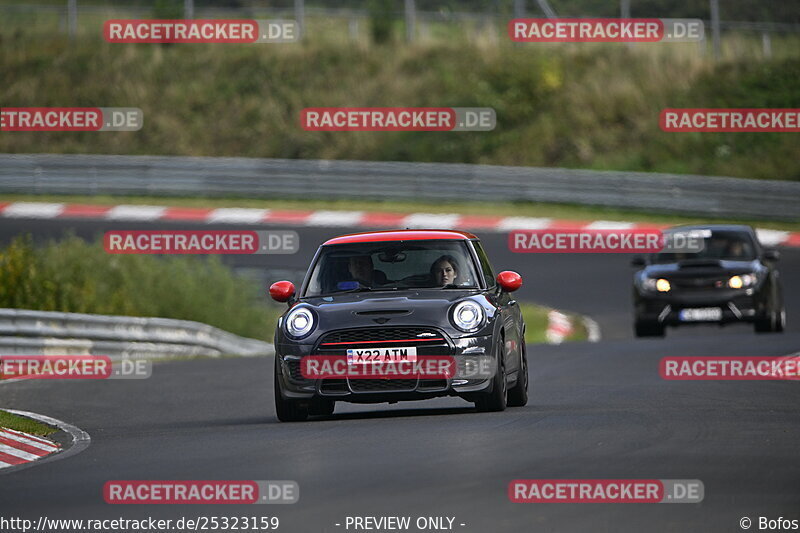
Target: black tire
column 648, row 329
column 773, row 323
column 495, row 399
column 287, row 410
column 321, row 406
column 518, row 395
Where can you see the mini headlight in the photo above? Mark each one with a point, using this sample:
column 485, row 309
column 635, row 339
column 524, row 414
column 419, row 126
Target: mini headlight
column 663, row 285
column 299, row 322
column 467, row 316
column 745, row 280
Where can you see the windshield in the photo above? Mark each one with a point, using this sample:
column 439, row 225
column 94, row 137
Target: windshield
column 392, row 266
column 717, row 245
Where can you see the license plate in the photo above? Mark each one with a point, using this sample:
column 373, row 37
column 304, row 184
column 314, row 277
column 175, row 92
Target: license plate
column 702, row 314
column 381, row 355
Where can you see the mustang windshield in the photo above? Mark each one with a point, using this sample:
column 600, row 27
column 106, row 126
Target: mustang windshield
column 444, row 264
column 717, row 245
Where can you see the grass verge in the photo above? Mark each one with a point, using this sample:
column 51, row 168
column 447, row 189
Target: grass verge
column 20, row 423
column 574, row 106
column 536, row 321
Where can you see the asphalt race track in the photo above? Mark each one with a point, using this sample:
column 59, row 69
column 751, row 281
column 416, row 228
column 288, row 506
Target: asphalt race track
column 597, row 410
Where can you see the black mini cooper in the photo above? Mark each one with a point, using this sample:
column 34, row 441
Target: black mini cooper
column 397, row 297
column 730, row 279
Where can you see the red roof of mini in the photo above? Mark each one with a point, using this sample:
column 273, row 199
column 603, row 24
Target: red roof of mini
column 402, row 235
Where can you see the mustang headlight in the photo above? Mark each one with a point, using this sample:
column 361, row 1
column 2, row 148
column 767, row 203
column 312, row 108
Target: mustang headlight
column 299, row 322
column 653, row 284
column 468, row 316
column 741, row 281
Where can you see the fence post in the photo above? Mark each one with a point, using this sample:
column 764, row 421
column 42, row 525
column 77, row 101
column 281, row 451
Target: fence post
column 188, row 9
column 766, row 44
column 411, row 15
column 72, row 18
column 625, row 13
column 299, row 16
column 519, row 9
column 352, row 26
column 715, row 28
column 624, row 9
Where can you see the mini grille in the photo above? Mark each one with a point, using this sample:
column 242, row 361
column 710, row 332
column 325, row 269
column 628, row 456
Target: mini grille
column 379, row 385
column 381, row 334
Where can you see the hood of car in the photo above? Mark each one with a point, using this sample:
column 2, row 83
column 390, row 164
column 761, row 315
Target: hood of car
column 700, row 269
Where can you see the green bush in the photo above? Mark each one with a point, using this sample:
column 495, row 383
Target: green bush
column 168, row 9
column 381, row 21
column 78, row 277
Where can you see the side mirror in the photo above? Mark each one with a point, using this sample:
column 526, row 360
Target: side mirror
column 281, row 291
column 637, row 261
column 772, row 255
column 509, row 280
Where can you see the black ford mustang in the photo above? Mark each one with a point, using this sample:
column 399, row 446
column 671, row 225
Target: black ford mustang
column 410, row 294
column 732, row 279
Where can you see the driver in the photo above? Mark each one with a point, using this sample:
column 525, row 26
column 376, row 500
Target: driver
column 362, row 270
column 444, row 271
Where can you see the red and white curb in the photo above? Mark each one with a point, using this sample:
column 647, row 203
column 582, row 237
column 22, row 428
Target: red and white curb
column 324, row 218
column 18, row 448
column 561, row 326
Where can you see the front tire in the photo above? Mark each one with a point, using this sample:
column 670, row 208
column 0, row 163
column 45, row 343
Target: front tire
column 518, row 396
column 774, row 323
column 287, row 410
column 648, row 329
column 495, row 400
column 321, row 406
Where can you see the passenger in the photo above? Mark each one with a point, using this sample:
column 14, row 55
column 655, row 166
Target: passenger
column 445, row 271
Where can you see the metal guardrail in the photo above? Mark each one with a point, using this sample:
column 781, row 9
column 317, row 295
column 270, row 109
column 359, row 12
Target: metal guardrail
column 287, row 178
column 25, row 332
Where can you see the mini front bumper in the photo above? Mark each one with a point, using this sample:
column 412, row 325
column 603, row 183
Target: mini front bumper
column 294, row 386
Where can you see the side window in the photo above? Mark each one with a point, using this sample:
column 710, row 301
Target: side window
column 485, row 265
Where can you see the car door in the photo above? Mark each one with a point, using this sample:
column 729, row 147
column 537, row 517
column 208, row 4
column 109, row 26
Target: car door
column 510, row 313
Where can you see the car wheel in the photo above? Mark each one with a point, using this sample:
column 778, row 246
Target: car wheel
column 321, row 406
column 287, row 410
column 518, row 396
column 649, row 329
column 495, row 400
column 773, row 323
column 781, row 321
